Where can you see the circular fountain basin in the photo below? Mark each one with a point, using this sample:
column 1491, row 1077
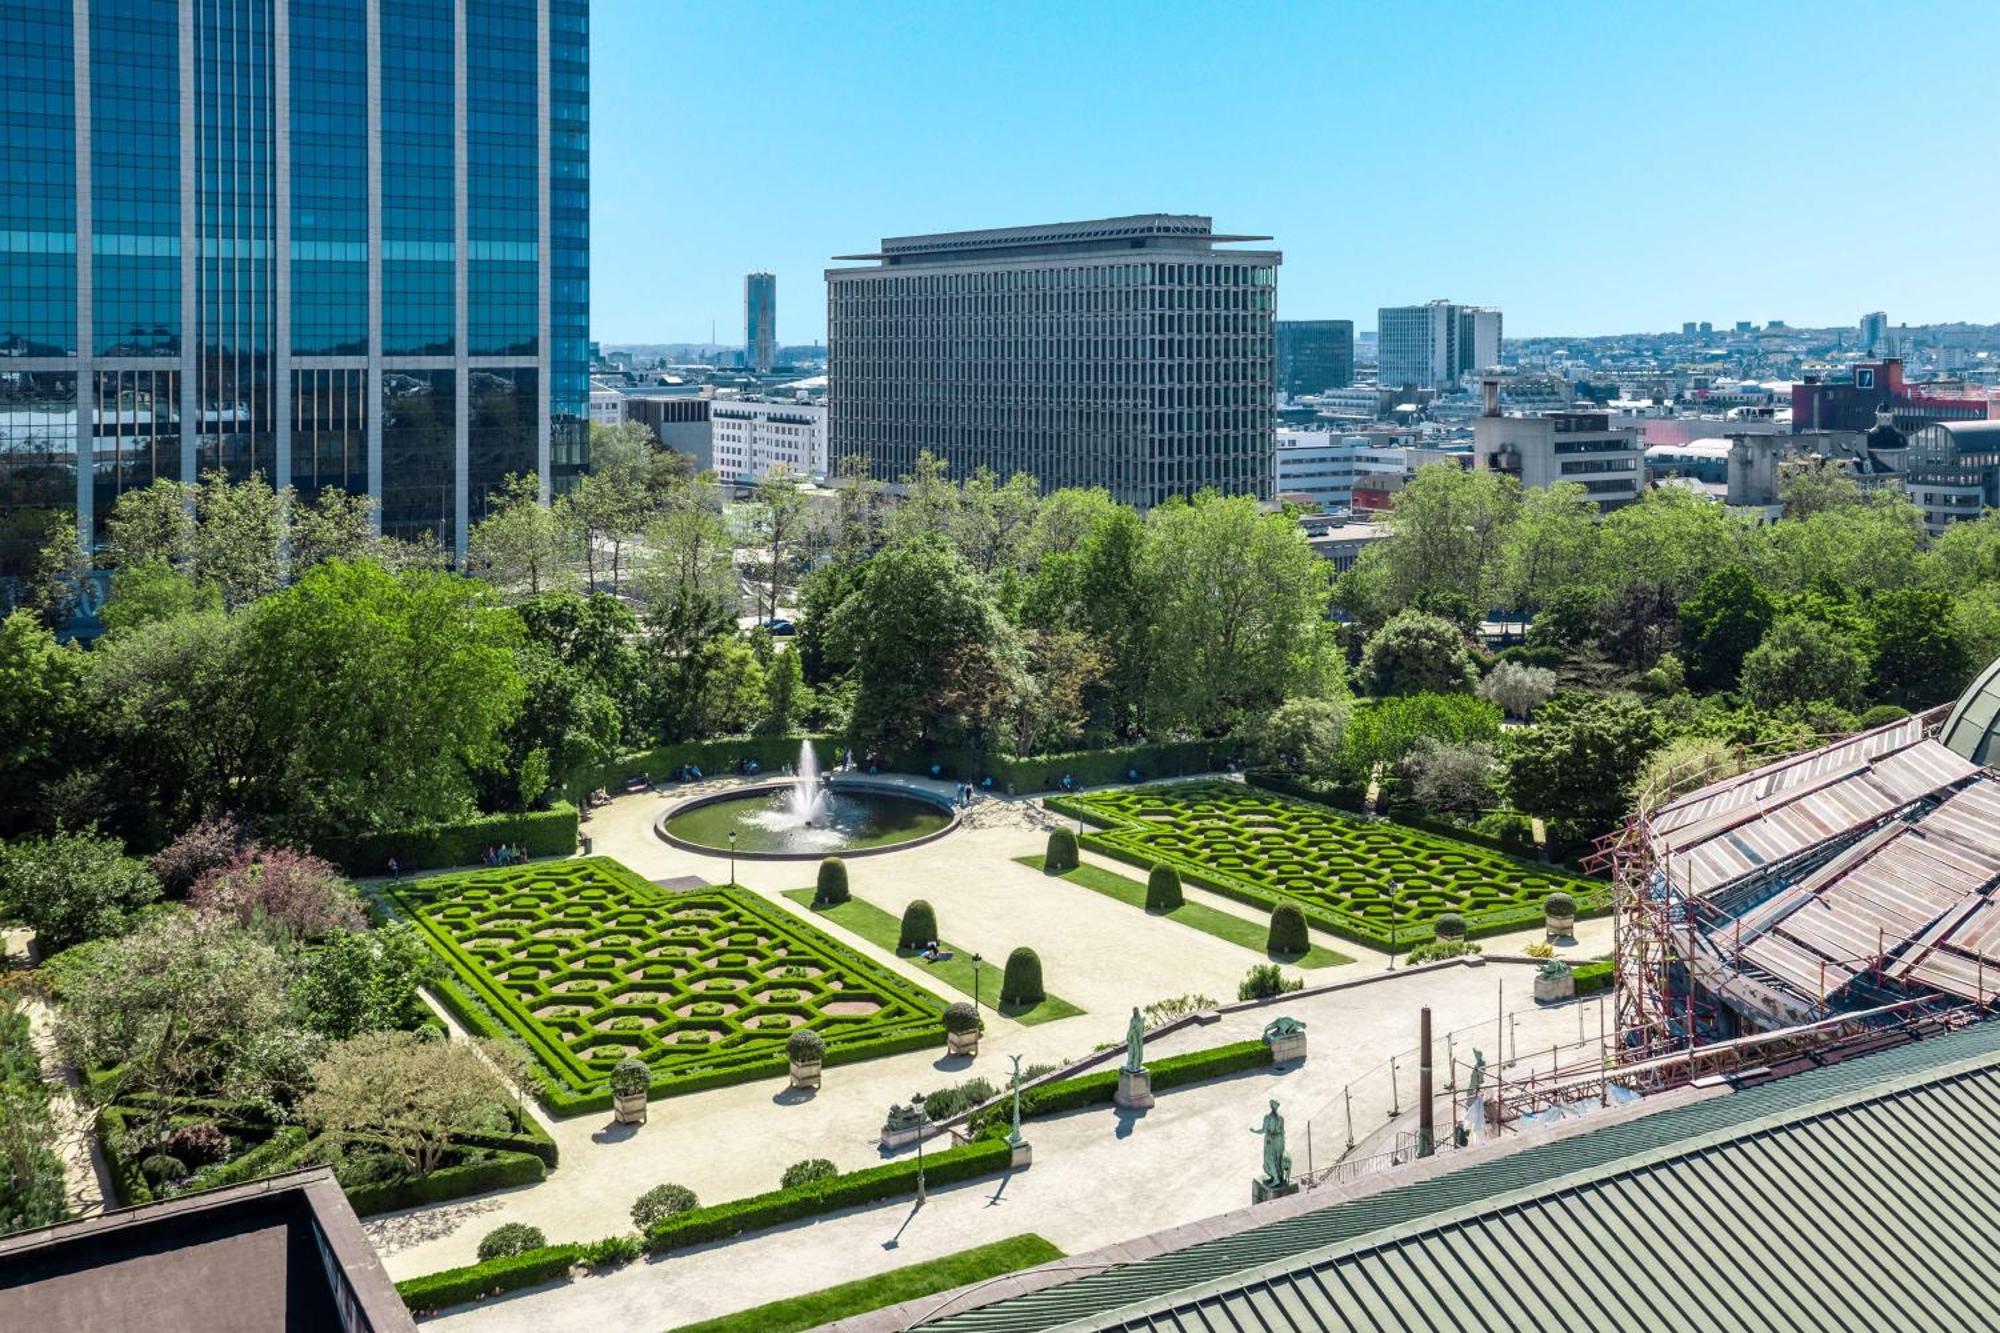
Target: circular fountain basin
column 851, row 818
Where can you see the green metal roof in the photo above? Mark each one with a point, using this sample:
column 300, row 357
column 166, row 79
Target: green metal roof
column 1970, row 728
column 1853, row 1195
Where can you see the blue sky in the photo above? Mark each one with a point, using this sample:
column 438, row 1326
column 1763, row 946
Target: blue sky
column 1589, row 167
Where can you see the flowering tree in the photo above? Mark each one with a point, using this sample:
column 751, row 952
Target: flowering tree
column 292, row 894
column 407, row 1091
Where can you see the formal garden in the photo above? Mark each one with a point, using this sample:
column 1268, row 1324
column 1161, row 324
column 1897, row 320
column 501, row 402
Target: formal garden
column 588, row 964
column 1378, row 883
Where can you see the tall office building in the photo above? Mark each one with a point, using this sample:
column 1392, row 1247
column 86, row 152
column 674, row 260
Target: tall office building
column 1431, row 346
column 1315, row 355
column 1128, row 353
column 760, row 321
column 340, row 243
column 1875, row 333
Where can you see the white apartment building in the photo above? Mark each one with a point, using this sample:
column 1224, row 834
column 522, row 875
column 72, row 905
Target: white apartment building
column 1430, row 346
column 1584, row 447
column 1326, row 467
column 750, row 437
column 607, row 405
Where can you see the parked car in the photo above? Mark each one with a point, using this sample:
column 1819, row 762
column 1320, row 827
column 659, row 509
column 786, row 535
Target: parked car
column 778, row 625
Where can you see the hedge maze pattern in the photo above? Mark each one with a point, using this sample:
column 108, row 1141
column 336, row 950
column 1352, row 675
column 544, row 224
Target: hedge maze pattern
column 589, row 963
column 1358, row 877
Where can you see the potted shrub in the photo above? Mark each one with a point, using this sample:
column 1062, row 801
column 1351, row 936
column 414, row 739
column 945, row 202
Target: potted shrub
column 806, row 1050
column 1021, row 984
column 831, row 891
column 961, row 1029
column 1163, row 889
column 630, row 1080
column 1559, row 915
column 1061, row 855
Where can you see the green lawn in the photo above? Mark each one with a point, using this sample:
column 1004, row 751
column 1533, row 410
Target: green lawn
column 876, row 926
column 873, row 1293
column 1250, row 934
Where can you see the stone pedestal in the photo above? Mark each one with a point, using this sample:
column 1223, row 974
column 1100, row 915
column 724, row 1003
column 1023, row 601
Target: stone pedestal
column 895, row 1136
column 628, row 1108
column 1024, row 1156
column 1261, row 1191
column 1288, row 1049
column 961, row 1043
column 805, row 1075
column 1135, row 1089
column 1560, row 927
column 1548, row 990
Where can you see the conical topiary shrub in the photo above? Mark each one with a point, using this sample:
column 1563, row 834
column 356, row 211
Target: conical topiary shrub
column 919, row 926
column 831, row 891
column 1061, row 855
column 1163, row 889
column 1022, row 984
column 1288, row 932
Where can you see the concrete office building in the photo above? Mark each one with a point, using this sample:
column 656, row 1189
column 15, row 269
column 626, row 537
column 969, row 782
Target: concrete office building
column 760, row 321
column 1315, row 355
column 753, row 438
column 1431, row 346
column 339, row 243
column 1609, row 462
column 679, row 421
column 1128, row 353
column 1952, row 471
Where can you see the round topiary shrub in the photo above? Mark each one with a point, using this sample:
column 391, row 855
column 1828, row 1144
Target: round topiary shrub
column 919, row 926
column 1288, row 932
column 831, row 890
column 661, row 1202
column 1449, row 926
column 1022, row 982
column 961, row 1017
column 630, row 1077
column 805, row 1047
column 1061, row 855
column 510, row 1238
column 806, row 1172
column 1163, row 889
column 1558, row 905
column 162, row 1169
column 1881, row 715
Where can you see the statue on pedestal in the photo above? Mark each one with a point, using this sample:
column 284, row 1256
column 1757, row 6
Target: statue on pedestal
column 1135, row 1043
column 1277, row 1162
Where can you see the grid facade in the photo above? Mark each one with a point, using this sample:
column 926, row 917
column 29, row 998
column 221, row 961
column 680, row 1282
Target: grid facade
column 760, row 321
column 1315, row 355
column 333, row 242
column 1126, row 353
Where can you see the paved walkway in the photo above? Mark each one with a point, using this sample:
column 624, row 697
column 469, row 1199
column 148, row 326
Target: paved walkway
column 86, row 1175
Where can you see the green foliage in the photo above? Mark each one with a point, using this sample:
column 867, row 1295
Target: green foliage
column 551, row 832
column 1559, row 905
column 661, row 1202
column 33, row 1192
column 630, row 1077
column 1022, row 982
column 1437, row 951
column 455, row 1286
column 1266, row 980
column 1721, row 623
column 1163, row 889
column 1578, row 761
column 946, row 1103
column 805, row 1047
column 153, row 591
column 960, row 1017
column 363, row 981
column 1061, row 855
column 1451, row 926
column 1881, row 715
column 1386, row 730
column 39, row 689
column 919, row 928
column 511, row 1238
column 832, row 885
column 611, row 1252
column 1174, row 1071
column 1447, row 527
column 1921, row 656
column 1803, row 660
column 1415, row 653
column 1518, row 687
column 72, row 887
column 806, row 1172
column 1592, row 977
column 1287, row 936
column 1303, row 735
column 1455, row 778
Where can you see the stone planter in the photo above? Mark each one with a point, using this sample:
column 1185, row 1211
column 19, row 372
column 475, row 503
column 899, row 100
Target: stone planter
column 962, row 1043
column 629, row 1108
column 1288, row 1049
column 901, row 1135
column 1548, row 990
column 804, row 1074
column 1561, row 927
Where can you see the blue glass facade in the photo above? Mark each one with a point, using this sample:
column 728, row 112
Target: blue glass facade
column 217, row 257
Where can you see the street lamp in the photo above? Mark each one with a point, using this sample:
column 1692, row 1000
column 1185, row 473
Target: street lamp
column 918, row 1102
column 732, row 856
column 976, row 960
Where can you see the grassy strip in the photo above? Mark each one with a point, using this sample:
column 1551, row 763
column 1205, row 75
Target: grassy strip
column 885, row 1289
column 1200, row 916
column 876, row 926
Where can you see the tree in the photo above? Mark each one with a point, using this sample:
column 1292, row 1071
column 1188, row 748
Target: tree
column 1447, row 530
column 409, row 1092
column 1287, row 937
column 520, row 546
column 995, row 520
column 72, row 887
column 61, row 572
column 831, row 888
column 1549, row 546
column 1065, row 520
column 1163, row 889
column 154, row 590
column 1722, row 622
column 1455, row 778
column 1577, row 763
column 777, row 522
column 380, row 694
column 1049, row 707
column 1386, row 730
column 152, row 525
column 39, row 684
column 362, row 980
column 293, row 896
column 33, row 1192
column 1921, row 656
column 1652, row 556
column 1417, row 653
column 211, row 844
column 605, row 512
column 1866, row 548
column 1682, row 765
column 238, row 537
column 1518, row 689
column 1812, row 486
column 1304, row 736
column 787, row 697
column 687, row 590
column 1801, row 661
column 1021, row 981
column 334, row 525
column 919, row 927
column 597, row 635
column 1101, row 588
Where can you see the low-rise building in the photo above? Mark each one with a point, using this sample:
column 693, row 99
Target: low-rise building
column 607, row 405
column 679, row 421
column 1953, row 471
column 1539, row 451
column 753, row 437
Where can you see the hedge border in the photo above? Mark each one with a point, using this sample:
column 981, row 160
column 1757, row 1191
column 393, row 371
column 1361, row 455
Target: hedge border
column 473, row 998
column 456, row 1286
column 551, row 832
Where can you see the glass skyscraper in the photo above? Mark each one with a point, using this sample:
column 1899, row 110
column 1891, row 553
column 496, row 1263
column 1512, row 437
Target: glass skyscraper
column 340, row 243
column 760, row 321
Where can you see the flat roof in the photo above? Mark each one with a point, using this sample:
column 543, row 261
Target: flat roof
column 1137, row 226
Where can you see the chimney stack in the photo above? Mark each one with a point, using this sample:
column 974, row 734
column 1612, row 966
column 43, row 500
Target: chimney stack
column 1489, row 391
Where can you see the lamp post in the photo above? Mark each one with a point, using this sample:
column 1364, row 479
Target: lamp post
column 732, row 856
column 918, row 1102
column 976, row 960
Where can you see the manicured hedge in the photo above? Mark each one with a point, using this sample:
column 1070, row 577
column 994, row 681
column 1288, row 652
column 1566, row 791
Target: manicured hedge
column 455, row 1286
column 550, row 832
column 500, row 1171
column 1591, row 977
column 1095, row 1089
column 760, row 1211
column 1088, row 768
column 714, row 757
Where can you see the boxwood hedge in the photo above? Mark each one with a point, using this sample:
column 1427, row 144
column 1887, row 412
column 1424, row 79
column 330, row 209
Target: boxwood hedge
column 455, row 1286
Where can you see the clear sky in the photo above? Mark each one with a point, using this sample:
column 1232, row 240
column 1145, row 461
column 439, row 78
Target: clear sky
column 1589, row 167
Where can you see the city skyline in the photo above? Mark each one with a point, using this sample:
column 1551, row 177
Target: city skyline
column 1714, row 179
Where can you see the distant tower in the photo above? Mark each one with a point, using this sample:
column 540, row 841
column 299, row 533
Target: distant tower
column 760, row 321
column 1874, row 333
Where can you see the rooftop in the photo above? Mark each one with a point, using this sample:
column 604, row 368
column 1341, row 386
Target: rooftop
column 1139, row 231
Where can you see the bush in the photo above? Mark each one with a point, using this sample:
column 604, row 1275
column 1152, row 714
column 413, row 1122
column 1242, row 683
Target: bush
column 611, row 1252
column 511, row 1238
column 369, row 1168
column 831, row 890
column 550, row 832
column 806, row 1172
column 1176, row 1006
column 1591, row 977
column 73, row 887
column 805, row 1047
column 1518, row 688
column 1881, row 715
column 1449, row 926
column 1288, row 936
column 948, row 1102
column 1436, row 951
column 661, row 1202
column 1559, row 904
column 500, row 1171
column 455, row 1286
column 163, row 1169
column 1061, row 855
column 919, row 926
column 198, row 1144
column 209, row 845
column 1095, row 1089
column 1266, row 980
column 1022, row 983
column 960, row 1017
column 1163, row 889
column 630, row 1077
column 1415, row 653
